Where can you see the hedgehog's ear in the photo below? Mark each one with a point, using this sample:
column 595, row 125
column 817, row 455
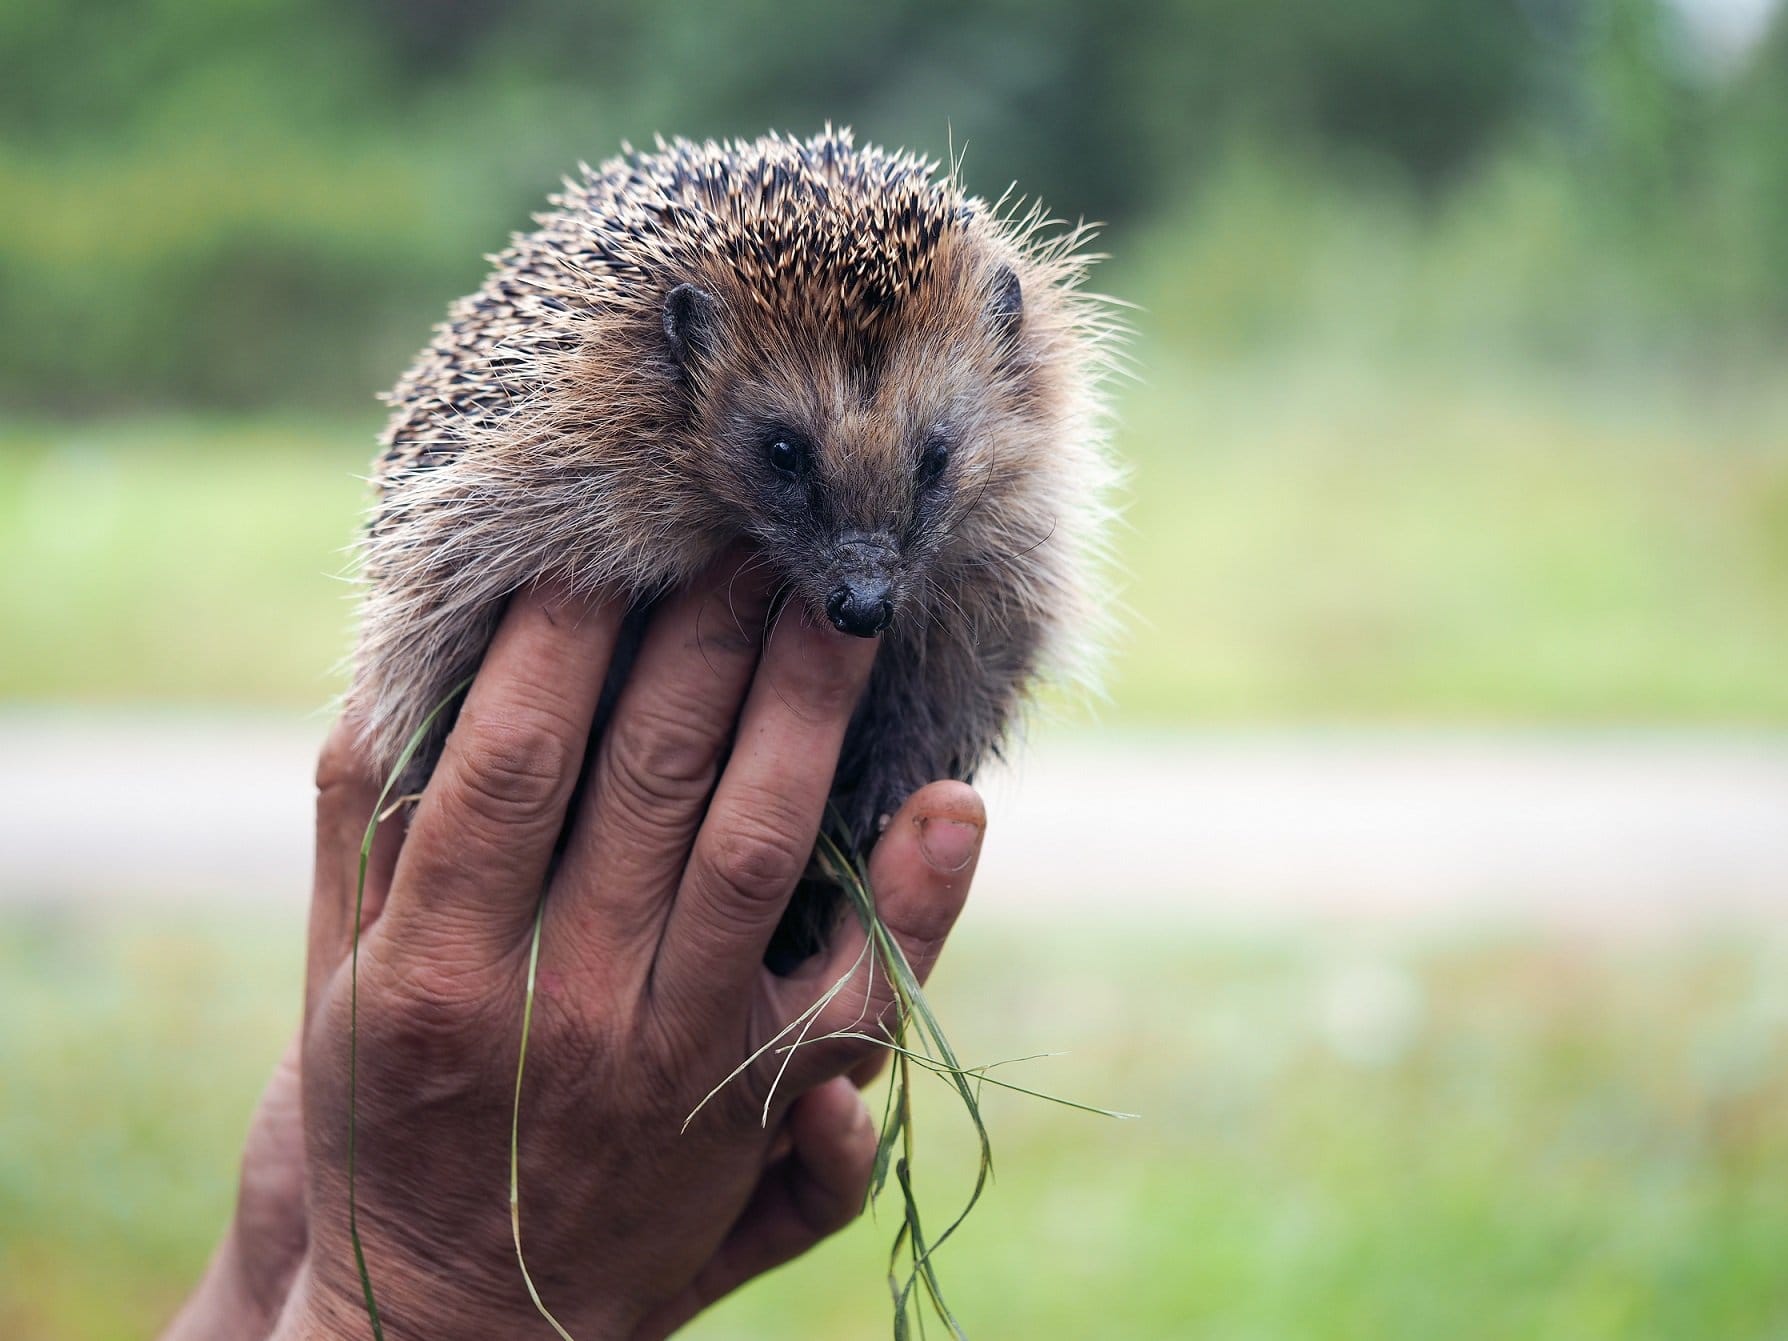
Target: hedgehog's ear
column 691, row 317
column 1005, row 303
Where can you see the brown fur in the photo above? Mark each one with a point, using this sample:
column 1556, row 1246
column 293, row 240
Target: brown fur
column 557, row 424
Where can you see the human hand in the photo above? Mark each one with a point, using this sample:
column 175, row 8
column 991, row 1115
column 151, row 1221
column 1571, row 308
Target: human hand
column 812, row 1184
column 651, row 987
column 249, row 1276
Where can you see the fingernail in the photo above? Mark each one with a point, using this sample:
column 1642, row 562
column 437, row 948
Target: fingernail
column 948, row 845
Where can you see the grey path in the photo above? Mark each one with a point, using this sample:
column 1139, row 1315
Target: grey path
column 1649, row 829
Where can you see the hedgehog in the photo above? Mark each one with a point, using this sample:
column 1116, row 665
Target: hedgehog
column 890, row 390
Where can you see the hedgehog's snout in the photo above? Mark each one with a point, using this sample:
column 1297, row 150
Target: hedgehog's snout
column 861, row 599
column 861, row 609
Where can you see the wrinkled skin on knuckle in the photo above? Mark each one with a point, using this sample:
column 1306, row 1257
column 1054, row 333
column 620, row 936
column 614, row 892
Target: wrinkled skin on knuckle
column 759, row 852
column 435, row 1008
column 683, row 1050
column 656, row 763
column 674, row 1044
column 421, row 1053
column 514, row 772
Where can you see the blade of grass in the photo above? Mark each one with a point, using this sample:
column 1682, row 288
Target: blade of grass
column 933, row 1065
column 884, row 1146
column 801, row 1022
column 913, row 1007
column 366, row 846
column 521, row 1063
column 916, row 1038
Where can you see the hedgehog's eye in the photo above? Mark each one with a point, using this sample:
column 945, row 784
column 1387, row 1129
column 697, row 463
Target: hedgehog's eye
column 787, row 454
column 933, row 460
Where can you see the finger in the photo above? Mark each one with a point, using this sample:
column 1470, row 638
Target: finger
column 270, row 1210
column 866, row 1072
column 759, row 831
column 919, row 875
column 815, row 1191
column 833, row 1156
column 347, row 791
column 478, row 848
column 655, row 770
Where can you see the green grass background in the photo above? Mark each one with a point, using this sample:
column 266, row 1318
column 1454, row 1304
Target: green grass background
column 1340, row 1136
column 1306, row 536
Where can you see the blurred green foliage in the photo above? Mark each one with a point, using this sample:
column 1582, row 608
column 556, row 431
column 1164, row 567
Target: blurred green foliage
column 253, row 202
column 1461, row 325
column 1315, row 537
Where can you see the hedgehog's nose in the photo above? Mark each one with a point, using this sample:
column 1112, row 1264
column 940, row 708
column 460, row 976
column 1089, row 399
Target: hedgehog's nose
column 860, row 607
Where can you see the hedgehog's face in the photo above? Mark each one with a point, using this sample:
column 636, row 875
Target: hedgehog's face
column 858, row 467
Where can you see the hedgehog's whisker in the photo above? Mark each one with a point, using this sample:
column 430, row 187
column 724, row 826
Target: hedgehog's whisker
column 773, row 621
column 997, row 559
column 751, row 565
column 962, row 629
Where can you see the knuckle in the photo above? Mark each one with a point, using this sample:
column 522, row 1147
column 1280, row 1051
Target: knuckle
column 338, row 763
column 427, row 1011
column 657, row 761
column 515, row 769
column 759, row 856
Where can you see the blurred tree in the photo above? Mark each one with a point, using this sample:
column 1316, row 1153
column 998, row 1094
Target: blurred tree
column 245, row 201
column 1755, row 159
